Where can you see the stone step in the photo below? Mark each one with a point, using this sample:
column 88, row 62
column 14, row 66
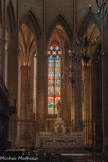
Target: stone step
column 67, row 150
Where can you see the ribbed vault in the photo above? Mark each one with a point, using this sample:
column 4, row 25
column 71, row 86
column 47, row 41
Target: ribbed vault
column 27, row 45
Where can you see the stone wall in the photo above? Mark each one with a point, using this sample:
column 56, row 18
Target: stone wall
column 45, row 12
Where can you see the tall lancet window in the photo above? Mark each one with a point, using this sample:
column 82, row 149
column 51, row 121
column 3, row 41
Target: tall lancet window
column 54, row 77
column 34, row 84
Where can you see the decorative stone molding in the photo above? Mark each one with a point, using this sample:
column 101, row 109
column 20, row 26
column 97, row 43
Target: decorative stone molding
column 56, row 141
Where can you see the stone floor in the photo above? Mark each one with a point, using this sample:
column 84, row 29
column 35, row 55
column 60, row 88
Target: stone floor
column 54, row 156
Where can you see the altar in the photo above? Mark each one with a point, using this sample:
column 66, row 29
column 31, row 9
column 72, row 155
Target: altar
column 59, row 138
column 74, row 140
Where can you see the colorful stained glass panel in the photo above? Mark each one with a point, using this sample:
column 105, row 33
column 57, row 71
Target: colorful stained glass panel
column 57, row 76
column 34, row 86
column 54, row 78
column 51, row 85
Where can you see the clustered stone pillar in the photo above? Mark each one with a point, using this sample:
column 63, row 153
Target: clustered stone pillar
column 2, row 44
column 78, row 96
column 105, row 87
column 86, row 94
column 12, row 82
column 40, row 94
column 66, row 88
column 105, row 100
column 25, row 82
column 0, row 58
column 24, row 113
column 12, row 68
column 86, row 103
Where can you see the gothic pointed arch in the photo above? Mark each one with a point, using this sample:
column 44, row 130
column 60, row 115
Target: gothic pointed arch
column 32, row 21
column 11, row 22
column 60, row 19
column 86, row 19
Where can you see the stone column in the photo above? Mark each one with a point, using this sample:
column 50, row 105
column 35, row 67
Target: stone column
column 40, row 115
column 2, row 53
column 66, row 88
column 105, row 100
column 12, row 82
column 25, row 91
column 23, row 133
column 0, row 58
column 12, row 68
column 2, row 40
column 86, row 102
column 78, row 96
column 105, row 86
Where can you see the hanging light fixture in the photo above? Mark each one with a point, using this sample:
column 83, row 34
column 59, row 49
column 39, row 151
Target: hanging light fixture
column 102, row 9
column 101, row 13
column 85, row 43
column 71, row 68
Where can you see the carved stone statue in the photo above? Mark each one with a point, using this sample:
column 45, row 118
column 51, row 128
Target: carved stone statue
column 59, row 108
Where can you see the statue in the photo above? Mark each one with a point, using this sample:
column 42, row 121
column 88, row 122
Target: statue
column 59, row 108
column 59, row 125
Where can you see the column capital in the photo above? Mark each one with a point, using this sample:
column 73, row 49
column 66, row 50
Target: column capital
column 25, row 67
column 3, row 41
column 12, row 50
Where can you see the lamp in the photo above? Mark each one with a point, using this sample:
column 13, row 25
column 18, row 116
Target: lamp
column 85, row 43
column 102, row 9
column 70, row 69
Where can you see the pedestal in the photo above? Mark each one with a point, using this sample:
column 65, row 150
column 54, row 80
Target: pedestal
column 59, row 126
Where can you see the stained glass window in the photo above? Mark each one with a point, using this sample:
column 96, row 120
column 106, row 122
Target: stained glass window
column 54, row 78
column 34, row 85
